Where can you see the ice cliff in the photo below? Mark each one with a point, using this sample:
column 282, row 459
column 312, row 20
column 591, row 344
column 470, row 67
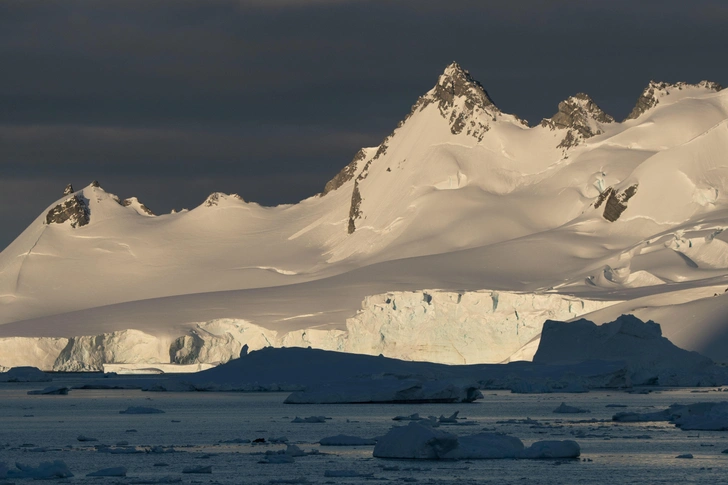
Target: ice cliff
column 436, row 326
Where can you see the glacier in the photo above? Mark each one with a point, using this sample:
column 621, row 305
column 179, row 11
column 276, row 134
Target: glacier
column 468, row 327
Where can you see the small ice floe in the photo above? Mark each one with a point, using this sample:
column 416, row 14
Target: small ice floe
column 235, row 441
column 46, row 470
column 449, row 420
column 51, row 391
column 158, row 449
column 411, row 417
column 276, row 458
column 346, row 474
column 43, row 449
column 117, row 471
column 293, row 450
column 85, row 438
column 566, row 409
column 155, row 481
column 197, row 469
column 688, row 456
column 118, row 450
column 345, row 440
column 310, row 419
column 552, row 449
column 385, row 390
column 141, row 410
column 416, row 441
column 279, row 440
column 161, row 464
column 701, row 416
column 616, row 406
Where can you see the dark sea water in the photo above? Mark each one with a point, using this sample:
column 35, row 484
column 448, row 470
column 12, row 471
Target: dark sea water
column 45, row 428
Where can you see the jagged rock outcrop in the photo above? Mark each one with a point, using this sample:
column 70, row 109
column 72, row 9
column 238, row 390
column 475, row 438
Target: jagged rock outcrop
column 73, row 209
column 354, row 211
column 133, row 201
column 616, row 202
column 347, row 173
column 650, row 97
column 215, row 198
column 462, row 101
column 581, row 117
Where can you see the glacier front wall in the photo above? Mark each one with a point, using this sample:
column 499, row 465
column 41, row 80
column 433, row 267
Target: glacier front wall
column 437, row 326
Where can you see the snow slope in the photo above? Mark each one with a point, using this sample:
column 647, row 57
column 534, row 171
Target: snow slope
column 460, row 199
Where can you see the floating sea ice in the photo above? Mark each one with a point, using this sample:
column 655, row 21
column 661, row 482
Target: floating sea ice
column 197, row 469
column 345, row 440
column 566, row 409
column 85, row 438
column 279, row 440
column 411, row 417
column 155, row 481
column 52, row 390
column 706, row 416
column 275, row 458
column 310, row 419
column 235, row 441
column 486, row 446
column 44, row 471
column 686, row 455
column 118, row 471
column 452, row 419
column 141, row 410
column 416, row 441
column 553, row 449
column 293, row 450
column 346, row 474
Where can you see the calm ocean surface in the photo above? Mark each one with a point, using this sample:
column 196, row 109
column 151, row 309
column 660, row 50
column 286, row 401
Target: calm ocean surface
column 45, row 428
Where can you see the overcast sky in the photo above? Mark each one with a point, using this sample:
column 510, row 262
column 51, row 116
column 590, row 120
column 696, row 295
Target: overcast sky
column 171, row 100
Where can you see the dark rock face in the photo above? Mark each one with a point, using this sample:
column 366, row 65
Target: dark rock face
column 654, row 90
column 128, row 202
column 454, row 85
column 354, row 211
column 68, row 190
column 616, row 202
column 73, row 209
column 347, row 173
column 578, row 115
column 214, row 198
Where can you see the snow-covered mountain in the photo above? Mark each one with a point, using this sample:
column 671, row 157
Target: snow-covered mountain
column 403, row 250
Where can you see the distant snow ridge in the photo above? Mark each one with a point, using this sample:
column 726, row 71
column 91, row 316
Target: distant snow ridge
column 650, row 97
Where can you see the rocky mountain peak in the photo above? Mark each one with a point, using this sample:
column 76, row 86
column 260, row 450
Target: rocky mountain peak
column 462, row 101
column 655, row 90
column 456, row 82
column 580, row 116
column 217, row 197
column 73, row 209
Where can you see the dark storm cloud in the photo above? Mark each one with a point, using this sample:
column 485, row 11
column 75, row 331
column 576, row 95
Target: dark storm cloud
column 170, row 100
